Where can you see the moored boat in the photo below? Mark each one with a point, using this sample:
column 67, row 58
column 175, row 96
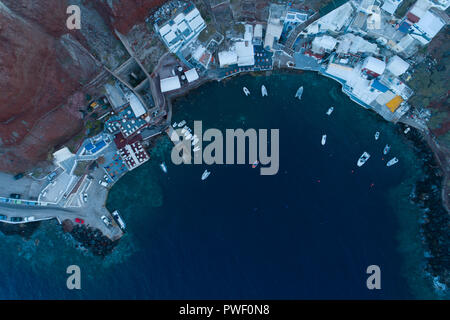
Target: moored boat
column 163, row 167
column 330, row 110
column 406, row 130
column 205, row 174
column 263, row 91
column 246, row 91
column 391, row 162
column 377, row 135
column 182, row 123
column 299, row 93
column 119, row 220
column 197, row 148
column 324, row 139
column 174, row 125
column 386, row 149
column 255, row 164
column 363, row 159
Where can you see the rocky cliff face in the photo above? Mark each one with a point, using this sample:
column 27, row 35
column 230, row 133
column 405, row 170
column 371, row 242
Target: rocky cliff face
column 45, row 69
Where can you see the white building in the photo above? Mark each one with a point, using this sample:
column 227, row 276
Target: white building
column 170, row 84
column 333, row 21
column 136, row 105
column 374, row 65
column 245, row 53
column 227, row 58
column 182, row 29
column 390, row 6
column 349, row 43
column 258, row 33
column 323, row 44
column 427, row 27
column 397, row 66
column 191, row 75
column 277, row 14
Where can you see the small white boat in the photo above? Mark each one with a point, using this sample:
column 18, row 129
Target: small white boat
column 299, row 93
column 188, row 136
column 386, row 149
column 324, row 139
column 197, row 148
column 263, row 91
column 330, row 110
column 255, row 164
column 184, row 130
column 182, row 123
column 163, row 167
column 246, row 91
column 205, row 174
column 194, row 140
column 377, row 135
column 391, row 162
column 406, row 130
column 364, row 157
column 174, row 125
column 119, row 220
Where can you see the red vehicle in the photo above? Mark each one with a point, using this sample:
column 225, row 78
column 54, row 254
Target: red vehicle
column 78, row 220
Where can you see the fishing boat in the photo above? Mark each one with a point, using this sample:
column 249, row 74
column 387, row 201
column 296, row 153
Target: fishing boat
column 255, row 164
column 263, row 91
column 246, row 91
column 406, row 130
column 299, row 93
column 119, row 220
column 386, row 149
column 330, row 110
column 163, row 167
column 377, row 135
column 182, row 123
column 391, row 162
column 363, row 159
column 324, row 139
column 174, row 125
column 205, row 174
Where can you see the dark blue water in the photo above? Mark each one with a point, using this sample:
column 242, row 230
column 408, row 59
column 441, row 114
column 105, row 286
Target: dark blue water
column 308, row 232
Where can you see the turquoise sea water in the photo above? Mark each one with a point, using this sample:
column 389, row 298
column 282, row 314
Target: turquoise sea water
column 308, row 232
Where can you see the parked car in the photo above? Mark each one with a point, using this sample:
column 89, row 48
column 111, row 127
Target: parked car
column 78, row 220
column 106, row 221
column 16, row 219
column 2, row 217
column 15, row 196
column 85, row 197
column 103, row 183
column 18, row 176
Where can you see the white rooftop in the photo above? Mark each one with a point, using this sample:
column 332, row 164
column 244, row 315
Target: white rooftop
column 430, row 24
column 374, row 65
column 191, row 75
column 327, row 43
column 170, row 84
column 245, row 53
column 227, row 58
column 136, row 105
column 397, row 66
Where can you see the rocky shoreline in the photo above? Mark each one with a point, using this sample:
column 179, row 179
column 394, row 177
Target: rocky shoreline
column 435, row 222
column 90, row 238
